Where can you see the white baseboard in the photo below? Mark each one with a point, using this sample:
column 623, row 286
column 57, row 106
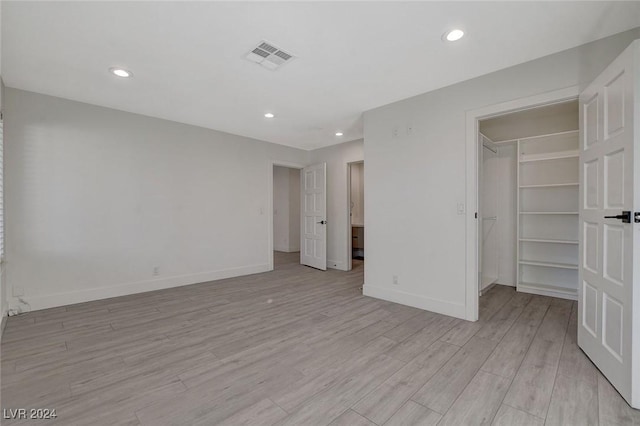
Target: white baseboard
column 415, row 300
column 549, row 293
column 286, row 249
column 336, row 264
column 69, row 298
column 3, row 323
column 505, row 283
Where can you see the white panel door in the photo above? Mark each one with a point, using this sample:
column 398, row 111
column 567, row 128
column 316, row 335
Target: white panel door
column 313, row 235
column 609, row 265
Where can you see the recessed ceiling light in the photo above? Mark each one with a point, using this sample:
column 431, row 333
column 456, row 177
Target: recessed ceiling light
column 453, row 35
column 269, row 115
column 339, row 133
column 120, row 72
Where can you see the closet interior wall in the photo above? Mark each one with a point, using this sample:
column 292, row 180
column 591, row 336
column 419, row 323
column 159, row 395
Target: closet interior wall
column 488, row 214
column 497, row 213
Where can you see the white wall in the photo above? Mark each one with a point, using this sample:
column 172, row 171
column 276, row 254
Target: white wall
column 286, row 209
column 97, row 198
column 357, row 194
column 416, row 180
column 337, row 157
column 507, row 211
column 3, row 282
column 488, row 208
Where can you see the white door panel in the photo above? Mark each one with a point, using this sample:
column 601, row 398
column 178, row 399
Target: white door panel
column 609, row 267
column 313, row 247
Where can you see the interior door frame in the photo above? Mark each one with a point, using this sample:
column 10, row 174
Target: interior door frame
column 472, row 289
column 349, row 260
column 290, row 165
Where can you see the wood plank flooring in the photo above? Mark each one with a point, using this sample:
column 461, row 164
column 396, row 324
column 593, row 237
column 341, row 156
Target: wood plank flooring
column 302, row 347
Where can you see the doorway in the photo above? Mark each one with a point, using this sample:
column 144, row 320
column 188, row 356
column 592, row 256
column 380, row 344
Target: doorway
column 528, row 201
column 474, row 118
column 355, row 206
column 286, row 216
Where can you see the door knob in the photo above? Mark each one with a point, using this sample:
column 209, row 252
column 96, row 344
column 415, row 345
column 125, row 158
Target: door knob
column 625, row 217
column 322, row 222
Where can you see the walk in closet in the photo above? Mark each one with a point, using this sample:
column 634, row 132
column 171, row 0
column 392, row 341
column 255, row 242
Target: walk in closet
column 528, row 200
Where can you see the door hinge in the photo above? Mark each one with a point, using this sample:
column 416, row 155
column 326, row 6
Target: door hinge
column 476, row 215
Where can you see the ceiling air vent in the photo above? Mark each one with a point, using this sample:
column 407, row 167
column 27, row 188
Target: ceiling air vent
column 269, row 56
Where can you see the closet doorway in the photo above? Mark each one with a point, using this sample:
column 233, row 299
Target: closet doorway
column 286, row 216
column 355, row 205
column 528, row 201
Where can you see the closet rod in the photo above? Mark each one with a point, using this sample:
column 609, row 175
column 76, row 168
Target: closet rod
column 495, row 151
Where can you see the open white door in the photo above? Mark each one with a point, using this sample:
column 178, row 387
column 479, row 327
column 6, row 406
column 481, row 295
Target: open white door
column 313, row 247
column 609, row 266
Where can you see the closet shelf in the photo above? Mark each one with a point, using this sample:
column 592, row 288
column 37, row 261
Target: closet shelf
column 550, row 185
column 569, row 213
column 548, row 264
column 547, row 217
column 549, row 156
column 542, row 240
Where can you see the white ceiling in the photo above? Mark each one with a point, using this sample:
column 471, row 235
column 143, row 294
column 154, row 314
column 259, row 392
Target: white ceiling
column 187, row 57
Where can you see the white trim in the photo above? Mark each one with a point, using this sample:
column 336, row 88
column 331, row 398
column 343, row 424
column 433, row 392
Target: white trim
column 471, row 153
column 349, row 260
column 336, row 264
column 415, row 300
column 3, row 324
column 285, row 249
column 271, row 164
column 523, row 288
column 506, row 284
column 4, row 303
column 125, row 289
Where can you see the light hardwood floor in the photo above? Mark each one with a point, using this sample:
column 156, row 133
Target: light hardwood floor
column 302, row 347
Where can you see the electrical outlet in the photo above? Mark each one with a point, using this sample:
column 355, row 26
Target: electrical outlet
column 156, row 271
column 395, row 280
column 395, row 131
column 18, row 291
column 461, row 209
